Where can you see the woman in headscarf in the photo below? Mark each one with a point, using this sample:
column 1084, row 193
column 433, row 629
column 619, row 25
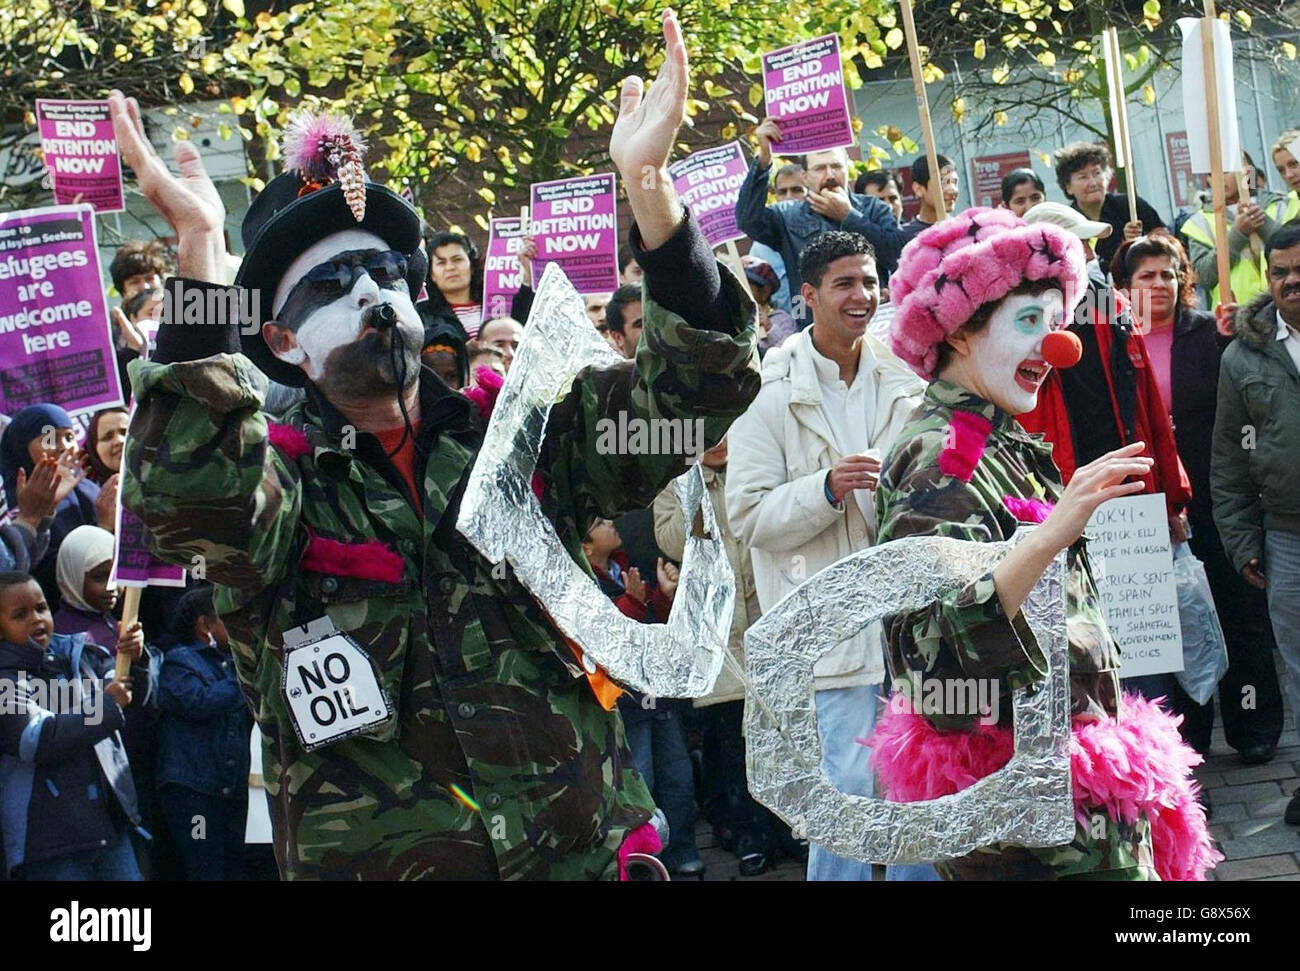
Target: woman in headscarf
column 45, row 431
column 105, row 439
column 83, row 565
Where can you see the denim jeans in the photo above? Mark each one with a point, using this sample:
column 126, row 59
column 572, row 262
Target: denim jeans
column 658, row 746
column 843, row 715
column 206, row 831
column 1282, row 571
column 113, row 862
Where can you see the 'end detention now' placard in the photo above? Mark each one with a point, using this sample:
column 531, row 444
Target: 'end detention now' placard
column 708, row 183
column 55, row 341
column 501, row 273
column 574, row 224
column 803, row 89
column 80, row 151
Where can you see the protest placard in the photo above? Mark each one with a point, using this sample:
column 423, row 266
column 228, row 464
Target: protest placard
column 575, row 225
column 803, row 89
column 134, row 564
column 988, row 171
column 501, row 273
column 55, row 339
column 80, row 151
column 1184, row 180
column 708, row 183
column 1128, row 543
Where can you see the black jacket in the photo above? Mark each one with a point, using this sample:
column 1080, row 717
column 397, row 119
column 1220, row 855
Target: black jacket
column 1194, row 381
column 65, row 784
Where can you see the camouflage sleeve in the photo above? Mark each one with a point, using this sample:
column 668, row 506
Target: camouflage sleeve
column 200, row 473
column 964, row 633
column 623, row 432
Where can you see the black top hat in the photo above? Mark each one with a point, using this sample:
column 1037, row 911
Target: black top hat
column 293, row 213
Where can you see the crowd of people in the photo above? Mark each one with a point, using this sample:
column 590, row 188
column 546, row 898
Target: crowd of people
column 828, row 418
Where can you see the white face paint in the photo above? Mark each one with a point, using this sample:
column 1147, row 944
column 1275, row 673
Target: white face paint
column 337, row 330
column 1006, row 357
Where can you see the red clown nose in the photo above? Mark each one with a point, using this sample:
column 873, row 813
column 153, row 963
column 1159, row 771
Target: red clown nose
column 1061, row 349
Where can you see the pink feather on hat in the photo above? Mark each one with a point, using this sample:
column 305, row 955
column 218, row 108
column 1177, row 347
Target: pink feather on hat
column 325, row 148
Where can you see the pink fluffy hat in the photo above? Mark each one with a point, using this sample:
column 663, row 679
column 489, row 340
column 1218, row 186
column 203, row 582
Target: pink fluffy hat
column 975, row 257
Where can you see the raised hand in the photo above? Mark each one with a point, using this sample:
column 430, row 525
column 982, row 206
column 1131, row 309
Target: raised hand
column 831, row 203
column 527, row 253
column 643, row 138
column 130, row 333
column 189, row 202
column 667, row 574
column 768, row 131
column 634, row 585
column 106, row 504
column 38, row 495
column 1092, row 485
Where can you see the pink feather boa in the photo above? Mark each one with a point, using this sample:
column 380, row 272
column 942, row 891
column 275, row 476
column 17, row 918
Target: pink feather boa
column 643, row 839
column 1137, row 765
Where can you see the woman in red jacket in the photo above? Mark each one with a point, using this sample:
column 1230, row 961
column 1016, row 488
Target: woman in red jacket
column 1109, row 399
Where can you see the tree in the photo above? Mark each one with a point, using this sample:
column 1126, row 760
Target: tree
column 164, row 52
column 495, row 94
column 1031, row 57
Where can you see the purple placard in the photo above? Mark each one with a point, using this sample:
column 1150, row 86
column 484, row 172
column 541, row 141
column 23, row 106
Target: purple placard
column 575, row 225
column 803, row 89
column 55, row 341
column 501, row 273
column 708, row 183
column 80, row 151
column 133, row 563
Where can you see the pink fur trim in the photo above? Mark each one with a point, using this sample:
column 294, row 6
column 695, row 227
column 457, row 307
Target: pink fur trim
column 975, row 257
column 289, row 440
column 1135, row 765
column 643, row 839
column 968, row 434
column 313, row 143
column 371, row 560
column 1028, row 510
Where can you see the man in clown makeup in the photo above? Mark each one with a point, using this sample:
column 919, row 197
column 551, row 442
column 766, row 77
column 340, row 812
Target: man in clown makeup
column 499, row 756
column 981, row 300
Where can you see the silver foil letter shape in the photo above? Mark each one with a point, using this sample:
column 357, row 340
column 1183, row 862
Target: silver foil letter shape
column 1027, row 802
column 502, row 518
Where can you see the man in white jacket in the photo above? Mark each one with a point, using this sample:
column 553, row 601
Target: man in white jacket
column 804, row 460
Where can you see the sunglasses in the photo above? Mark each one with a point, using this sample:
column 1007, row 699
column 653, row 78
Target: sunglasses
column 326, row 282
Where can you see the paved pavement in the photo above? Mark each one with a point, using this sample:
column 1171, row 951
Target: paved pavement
column 1247, row 803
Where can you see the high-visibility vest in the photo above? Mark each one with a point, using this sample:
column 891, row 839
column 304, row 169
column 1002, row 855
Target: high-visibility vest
column 1249, row 275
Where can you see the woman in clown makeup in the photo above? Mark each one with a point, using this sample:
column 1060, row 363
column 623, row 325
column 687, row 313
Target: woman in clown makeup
column 981, row 299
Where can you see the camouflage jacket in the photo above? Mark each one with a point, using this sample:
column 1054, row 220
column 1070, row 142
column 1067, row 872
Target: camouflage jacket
column 957, row 469
column 488, row 699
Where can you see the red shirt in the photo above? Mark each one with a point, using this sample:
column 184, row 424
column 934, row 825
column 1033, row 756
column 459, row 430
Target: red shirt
column 404, row 458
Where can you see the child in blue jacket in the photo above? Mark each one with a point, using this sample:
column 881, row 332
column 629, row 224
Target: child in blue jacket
column 66, row 794
column 203, row 744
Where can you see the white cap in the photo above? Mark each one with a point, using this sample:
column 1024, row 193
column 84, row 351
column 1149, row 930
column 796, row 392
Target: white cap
column 1069, row 219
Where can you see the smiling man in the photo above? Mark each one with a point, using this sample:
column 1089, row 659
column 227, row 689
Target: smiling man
column 803, row 465
column 495, row 757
